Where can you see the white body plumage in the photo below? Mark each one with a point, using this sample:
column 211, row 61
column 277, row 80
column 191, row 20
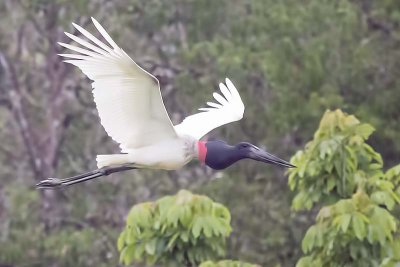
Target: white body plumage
column 171, row 154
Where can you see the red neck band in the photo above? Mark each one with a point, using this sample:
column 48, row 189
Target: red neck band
column 202, row 150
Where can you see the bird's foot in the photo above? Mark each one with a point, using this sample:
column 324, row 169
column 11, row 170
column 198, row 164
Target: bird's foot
column 49, row 183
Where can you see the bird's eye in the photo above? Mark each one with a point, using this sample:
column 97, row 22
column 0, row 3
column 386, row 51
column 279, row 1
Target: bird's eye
column 244, row 145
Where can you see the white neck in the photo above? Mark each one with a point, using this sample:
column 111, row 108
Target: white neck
column 191, row 148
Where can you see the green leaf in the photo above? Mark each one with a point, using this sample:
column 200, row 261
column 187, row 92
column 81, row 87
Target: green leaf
column 127, row 254
column 207, row 228
column 393, row 172
column 121, row 240
column 345, row 206
column 309, row 239
column 331, row 183
column 359, row 227
column 131, row 233
column 151, row 246
column 385, row 198
column 196, row 229
column 172, row 240
column 365, row 130
column 345, row 222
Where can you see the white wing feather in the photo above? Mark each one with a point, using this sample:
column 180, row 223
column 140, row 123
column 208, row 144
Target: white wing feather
column 127, row 97
column 229, row 108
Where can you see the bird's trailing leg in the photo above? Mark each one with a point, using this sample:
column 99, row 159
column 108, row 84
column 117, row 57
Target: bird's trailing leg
column 55, row 182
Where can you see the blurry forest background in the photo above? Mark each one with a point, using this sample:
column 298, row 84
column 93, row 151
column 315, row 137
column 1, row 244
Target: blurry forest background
column 290, row 60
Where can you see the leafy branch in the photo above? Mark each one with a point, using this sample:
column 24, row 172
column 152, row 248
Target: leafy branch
column 357, row 227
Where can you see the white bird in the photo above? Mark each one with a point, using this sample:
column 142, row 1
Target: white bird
column 132, row 111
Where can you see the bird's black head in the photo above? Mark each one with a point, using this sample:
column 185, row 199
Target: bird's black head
column 219, row 155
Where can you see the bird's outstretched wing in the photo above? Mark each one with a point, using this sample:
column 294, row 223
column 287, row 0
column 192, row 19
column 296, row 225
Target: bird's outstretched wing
column 127, row 97
column 229, row 108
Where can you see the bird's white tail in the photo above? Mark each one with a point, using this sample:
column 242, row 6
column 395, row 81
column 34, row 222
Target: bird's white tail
column 110, row 160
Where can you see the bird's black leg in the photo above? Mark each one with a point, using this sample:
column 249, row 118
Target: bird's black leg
column 55, row 182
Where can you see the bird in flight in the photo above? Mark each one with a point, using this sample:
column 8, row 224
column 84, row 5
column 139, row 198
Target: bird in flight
column 132, row 111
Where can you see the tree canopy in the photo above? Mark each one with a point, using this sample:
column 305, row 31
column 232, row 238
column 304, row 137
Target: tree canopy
column 358, row 225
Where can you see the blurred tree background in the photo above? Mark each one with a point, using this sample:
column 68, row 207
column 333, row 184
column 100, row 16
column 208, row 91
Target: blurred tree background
column 291, row 60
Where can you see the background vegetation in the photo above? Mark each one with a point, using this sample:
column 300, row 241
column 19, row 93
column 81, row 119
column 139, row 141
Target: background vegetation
column 291, row 60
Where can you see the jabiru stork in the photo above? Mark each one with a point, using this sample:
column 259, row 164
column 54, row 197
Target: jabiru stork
column 132, row 111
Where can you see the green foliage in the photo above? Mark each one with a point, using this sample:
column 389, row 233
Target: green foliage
column 356, row 227
column 74, row 243
column 359, row 228
column 335, row 163
column 175, row 231
column 227, row 263
column 393, row 175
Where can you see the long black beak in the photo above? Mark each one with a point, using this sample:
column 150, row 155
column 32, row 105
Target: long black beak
column 263, row 156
